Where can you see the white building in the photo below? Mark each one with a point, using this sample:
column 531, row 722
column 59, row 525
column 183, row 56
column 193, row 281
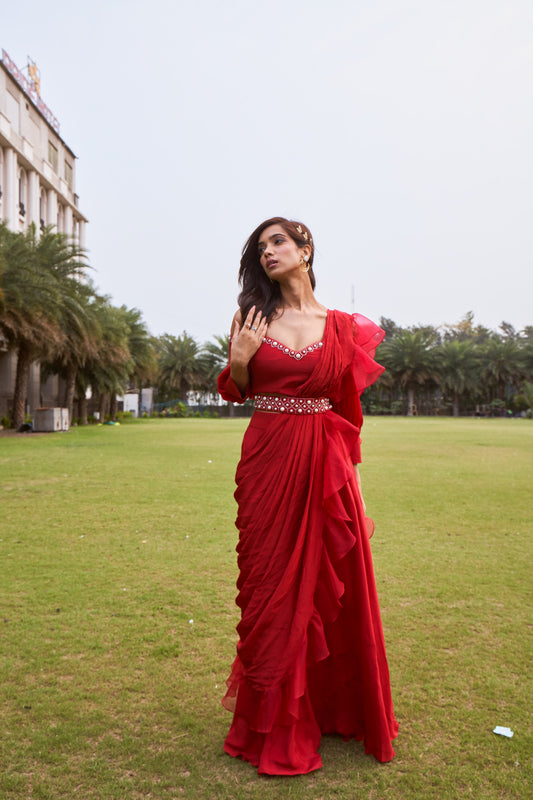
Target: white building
column 37, row 184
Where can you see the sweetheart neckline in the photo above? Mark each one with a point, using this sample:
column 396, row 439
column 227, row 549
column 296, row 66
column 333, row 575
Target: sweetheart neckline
column 305, row 349
column 310, row 348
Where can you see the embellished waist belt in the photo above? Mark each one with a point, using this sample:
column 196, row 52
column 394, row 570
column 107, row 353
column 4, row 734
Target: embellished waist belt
column 284, row 404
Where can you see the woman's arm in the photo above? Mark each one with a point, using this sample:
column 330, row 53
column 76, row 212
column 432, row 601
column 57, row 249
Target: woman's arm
column 368, row 522
column 358, row 479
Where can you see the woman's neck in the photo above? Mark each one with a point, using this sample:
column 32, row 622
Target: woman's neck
column 298, row 296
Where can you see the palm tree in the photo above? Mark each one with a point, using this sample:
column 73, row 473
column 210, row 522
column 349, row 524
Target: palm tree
column 526, row 351
column 82, row 335
column 458, row 364
column 107, row 372
column 37, row 280
column 143, row 365
column 410, row 358
column 213, row 358
column 501, row 365
column 26, row 293
column 179, row 365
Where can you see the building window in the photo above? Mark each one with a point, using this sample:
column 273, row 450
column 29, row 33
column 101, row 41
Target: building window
column 60, row 218
column 52, row 155
column 1, row 175
column 22, row 192
column 68, row 175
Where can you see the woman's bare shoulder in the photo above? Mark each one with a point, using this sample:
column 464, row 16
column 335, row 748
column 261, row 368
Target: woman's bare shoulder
column 237, row 318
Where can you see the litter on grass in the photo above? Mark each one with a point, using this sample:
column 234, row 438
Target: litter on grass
column 502, row 731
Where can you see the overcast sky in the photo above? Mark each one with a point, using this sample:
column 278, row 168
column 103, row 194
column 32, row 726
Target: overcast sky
column 399, row 131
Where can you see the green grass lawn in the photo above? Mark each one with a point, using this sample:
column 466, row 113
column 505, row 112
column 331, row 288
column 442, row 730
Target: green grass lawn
column 117, row 614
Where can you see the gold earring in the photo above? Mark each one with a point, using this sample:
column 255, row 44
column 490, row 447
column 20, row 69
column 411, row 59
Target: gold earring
column 304, row 266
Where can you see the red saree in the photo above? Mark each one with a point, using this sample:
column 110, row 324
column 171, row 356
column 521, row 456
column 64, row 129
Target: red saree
column 311, row 655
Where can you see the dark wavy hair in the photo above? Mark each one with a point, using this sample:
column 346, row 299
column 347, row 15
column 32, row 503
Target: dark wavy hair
column 257, row 288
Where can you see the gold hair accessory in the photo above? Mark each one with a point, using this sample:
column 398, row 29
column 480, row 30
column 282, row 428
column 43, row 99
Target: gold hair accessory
column 304, row 234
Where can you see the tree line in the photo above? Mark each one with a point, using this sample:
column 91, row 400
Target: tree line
column 51, row 313
column 451, row 370
column 454, row 369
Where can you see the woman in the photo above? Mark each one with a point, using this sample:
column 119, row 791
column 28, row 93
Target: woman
column 311, row 657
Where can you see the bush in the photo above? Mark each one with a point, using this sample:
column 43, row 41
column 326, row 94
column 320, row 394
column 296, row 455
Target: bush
column 520, row 402
column 397, row 407
column 5, row 421
column 377, row 409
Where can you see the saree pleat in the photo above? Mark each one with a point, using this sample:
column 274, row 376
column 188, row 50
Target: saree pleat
column 311, row 656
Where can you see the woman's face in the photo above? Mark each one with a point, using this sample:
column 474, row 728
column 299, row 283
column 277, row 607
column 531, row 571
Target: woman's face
column 279, row 255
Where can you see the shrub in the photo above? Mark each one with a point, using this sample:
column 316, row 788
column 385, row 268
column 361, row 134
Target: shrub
column 520, row 402
column 397, row 407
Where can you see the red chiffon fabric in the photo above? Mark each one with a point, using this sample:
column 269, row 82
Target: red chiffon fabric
column 311, row 655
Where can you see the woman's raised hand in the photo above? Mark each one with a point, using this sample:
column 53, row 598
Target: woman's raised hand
column 246, row 338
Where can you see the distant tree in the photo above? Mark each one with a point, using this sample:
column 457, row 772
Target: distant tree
column 527, row 392
column 526, row 352
column 39, row 297
column 459, row 369
column 107, row 372
column 411, row 361
column 501, row 366
column 462, row 330
column 213, row 358
column 508, row 331
column 79, row 325
column 142, row 365
column 180, row 370
column 465, row 330
column 389, row 326
column 429, row 333
column 218, row 350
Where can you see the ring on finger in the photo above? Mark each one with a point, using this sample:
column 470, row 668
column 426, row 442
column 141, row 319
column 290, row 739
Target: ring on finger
column 253, row 327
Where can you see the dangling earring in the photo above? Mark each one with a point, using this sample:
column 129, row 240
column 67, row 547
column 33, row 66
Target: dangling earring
column 304, row 266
